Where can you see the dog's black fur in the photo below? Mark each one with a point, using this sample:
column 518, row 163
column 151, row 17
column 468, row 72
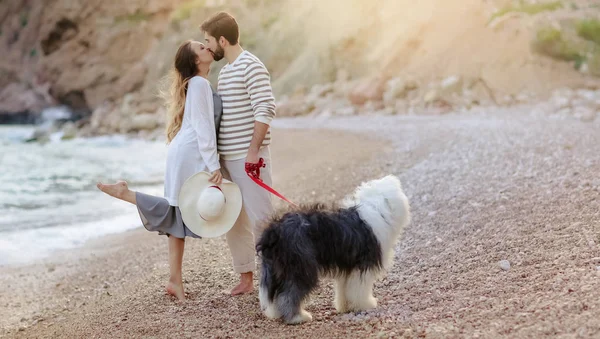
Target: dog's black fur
column 300, row 245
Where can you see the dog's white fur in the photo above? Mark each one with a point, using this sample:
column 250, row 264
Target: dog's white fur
column 382, row 205
column 385, row 208
column 269, row 309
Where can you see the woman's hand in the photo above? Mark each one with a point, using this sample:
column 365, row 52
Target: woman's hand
column 216, row 177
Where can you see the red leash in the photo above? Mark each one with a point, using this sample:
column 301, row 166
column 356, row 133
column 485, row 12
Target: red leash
column 253, row 171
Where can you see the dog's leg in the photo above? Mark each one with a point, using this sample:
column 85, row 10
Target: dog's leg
column 289, row 303
column 340, row 301
column 359, row 291
column 263, row 297
column 267, row 306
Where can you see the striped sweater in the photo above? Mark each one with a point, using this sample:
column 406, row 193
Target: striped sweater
column 245, row 89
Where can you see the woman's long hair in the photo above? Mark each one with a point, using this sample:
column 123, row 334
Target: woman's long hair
column 183, row 70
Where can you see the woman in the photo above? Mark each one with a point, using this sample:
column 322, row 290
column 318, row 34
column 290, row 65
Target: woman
column 192, row 148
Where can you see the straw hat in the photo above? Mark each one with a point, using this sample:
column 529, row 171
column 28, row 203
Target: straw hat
column 207, row 209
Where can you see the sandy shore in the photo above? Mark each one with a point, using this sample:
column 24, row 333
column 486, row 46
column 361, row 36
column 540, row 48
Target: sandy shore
column 483, row 188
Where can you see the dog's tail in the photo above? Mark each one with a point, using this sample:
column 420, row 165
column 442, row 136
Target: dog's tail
column 266, row 243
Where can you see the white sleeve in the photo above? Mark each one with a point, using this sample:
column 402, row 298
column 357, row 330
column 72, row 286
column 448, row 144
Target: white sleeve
column 200, row 99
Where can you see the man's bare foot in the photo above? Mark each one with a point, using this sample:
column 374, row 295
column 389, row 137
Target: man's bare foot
column 118, row 190
column 176, row 290
column 245, row 286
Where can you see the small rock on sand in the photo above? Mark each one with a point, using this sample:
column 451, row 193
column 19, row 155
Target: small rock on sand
column 504, row 264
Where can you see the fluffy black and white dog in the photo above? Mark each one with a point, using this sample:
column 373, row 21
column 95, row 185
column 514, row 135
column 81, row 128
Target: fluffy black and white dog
column 353, row 244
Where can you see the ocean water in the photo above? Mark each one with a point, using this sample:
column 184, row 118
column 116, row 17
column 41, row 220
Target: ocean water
column 48, row 194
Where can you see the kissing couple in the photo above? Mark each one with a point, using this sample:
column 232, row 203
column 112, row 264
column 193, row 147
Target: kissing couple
column 213, row 137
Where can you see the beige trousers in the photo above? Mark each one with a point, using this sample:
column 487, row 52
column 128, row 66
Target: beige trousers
column 257, row 207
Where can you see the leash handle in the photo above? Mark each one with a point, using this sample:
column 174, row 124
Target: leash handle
column 253, row 171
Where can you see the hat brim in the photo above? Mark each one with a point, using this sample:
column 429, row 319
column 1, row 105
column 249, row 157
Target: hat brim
column 188, row 196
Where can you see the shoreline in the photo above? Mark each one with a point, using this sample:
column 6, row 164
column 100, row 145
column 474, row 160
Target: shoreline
column 72, row 237
column 25, row 247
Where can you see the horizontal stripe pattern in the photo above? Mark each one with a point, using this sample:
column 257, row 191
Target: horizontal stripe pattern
column 245, row 89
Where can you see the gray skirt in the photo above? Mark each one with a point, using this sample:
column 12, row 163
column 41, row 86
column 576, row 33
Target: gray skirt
column 158, row 216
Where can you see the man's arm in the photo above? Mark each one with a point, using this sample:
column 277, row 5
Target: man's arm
column 260, row 131
column 258, row 84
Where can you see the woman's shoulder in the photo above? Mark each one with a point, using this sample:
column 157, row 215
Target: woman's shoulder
column 199, row 82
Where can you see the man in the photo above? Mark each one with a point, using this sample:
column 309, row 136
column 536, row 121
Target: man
column 244, row 137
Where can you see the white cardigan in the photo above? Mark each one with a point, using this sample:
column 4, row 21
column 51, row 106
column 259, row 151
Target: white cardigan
column 194, row 148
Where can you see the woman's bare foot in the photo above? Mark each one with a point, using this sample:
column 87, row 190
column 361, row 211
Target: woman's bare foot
column 245, row 286
column 176, row 290
column 118, row 190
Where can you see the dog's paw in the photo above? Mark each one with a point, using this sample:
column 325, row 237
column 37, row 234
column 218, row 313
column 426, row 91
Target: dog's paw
column 370, row 303
column 300, row 318
column 340, row 303
column 363, row 305
column 341, row 307
column 271, row 312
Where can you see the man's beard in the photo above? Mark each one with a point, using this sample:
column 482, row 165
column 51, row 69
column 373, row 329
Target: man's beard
column 218, row 54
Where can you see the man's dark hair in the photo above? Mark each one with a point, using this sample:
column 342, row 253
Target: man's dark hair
column 220, row 25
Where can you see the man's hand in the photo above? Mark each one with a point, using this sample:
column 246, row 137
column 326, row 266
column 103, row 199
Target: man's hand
column 260, row 131
column 216, row 177
column 252, row 157
column 253, row 169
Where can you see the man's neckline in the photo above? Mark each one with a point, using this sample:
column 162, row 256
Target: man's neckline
column 238, row 58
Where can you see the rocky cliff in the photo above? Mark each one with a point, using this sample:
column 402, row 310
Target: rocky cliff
column 105, row 59
column 76, row 53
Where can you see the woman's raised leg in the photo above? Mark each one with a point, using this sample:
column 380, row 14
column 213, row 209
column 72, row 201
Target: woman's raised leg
column 119, row 191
